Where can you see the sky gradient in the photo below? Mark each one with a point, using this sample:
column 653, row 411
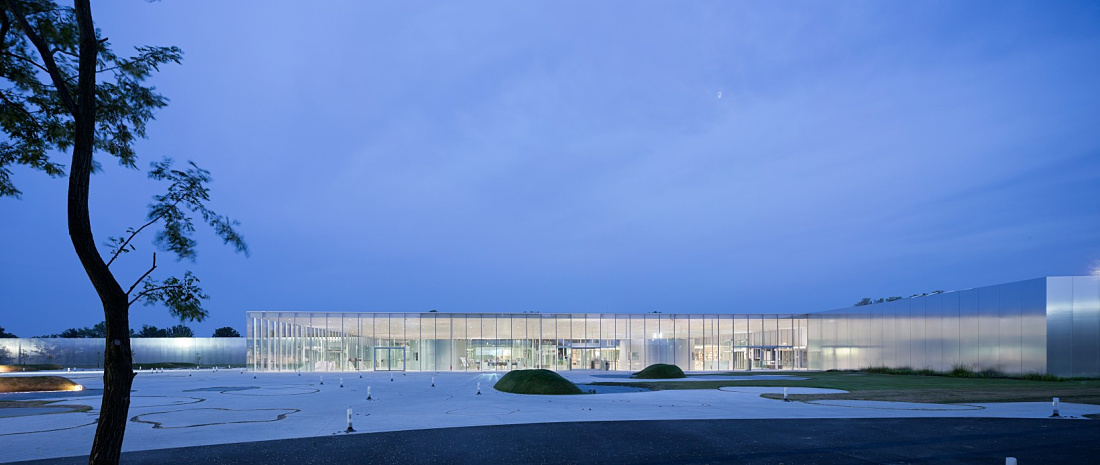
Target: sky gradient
column 704, row 157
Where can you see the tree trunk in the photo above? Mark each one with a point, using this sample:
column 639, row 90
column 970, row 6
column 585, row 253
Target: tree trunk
column 118, row 374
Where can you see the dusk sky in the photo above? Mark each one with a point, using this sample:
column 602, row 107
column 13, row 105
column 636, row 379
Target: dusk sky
column 623, row 157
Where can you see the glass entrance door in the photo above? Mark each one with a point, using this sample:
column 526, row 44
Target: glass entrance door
column 389, row 359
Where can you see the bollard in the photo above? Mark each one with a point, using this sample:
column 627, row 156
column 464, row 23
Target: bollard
column 433, row 381
column 1055, row 403
column 350, row 429
column 479, row 389
column 322, row 380
column 1010, row 460
column 368, row 393
column 188, row 372
column 341, row 382
column 785, row 399
column 391, row 377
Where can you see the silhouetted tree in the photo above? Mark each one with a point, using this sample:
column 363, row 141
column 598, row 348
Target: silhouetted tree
column 226, row 331
column 50, row 101
column 4, row 333
column 150, row 331
column 179, row 331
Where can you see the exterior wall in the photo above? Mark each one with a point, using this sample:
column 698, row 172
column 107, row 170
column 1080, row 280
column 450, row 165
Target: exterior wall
column 309, row 341
column 1073, row 326
column 81, row 352
column 1002, row 327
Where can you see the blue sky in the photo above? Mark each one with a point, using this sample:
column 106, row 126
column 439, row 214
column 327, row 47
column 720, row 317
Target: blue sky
column 619, row 157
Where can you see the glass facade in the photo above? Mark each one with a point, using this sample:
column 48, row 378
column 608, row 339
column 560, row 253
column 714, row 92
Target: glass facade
column 1046, row 325
column 292, row 341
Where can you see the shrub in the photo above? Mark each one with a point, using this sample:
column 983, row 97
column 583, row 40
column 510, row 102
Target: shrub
column 543, row 382
column 37, row 383
column 959, row 370
column 659, row 371
column 1043, row 377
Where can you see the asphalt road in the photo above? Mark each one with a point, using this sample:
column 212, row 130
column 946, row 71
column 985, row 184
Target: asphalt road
column 789, row 442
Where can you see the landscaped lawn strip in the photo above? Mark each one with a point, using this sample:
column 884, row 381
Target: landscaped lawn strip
column 904, row 388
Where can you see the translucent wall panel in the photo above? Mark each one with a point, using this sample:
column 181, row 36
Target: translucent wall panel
column 1086, row 326
column 1007, row 327
column 1060, row 326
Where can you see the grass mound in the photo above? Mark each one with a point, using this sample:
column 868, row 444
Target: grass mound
column 536, row 382
column 37, row 383
column 660, row 371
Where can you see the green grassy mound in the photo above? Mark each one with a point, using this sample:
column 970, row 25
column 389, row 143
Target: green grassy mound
column 660, row 371
column 37, row 383
column 536, row 382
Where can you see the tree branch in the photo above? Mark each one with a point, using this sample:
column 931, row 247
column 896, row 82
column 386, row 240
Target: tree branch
column 47, row 57
column 5, row 26
column 128, row 239
column 28, row 60
column 30, row 116
column 153, row 289
column 142, row 278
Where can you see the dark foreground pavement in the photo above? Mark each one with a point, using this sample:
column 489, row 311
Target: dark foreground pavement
column 790, row 442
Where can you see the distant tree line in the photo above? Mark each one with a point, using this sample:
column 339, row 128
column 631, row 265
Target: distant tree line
column 100, row 330
column 869, row 301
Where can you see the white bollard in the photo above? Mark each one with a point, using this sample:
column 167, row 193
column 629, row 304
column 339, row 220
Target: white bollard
column 368, row 393
column 479, row 389
column 350, row 429
column 341, row 382
column 785, row 399
column 322, row 380
column 433, row 381
column 1055, row 403
column 391, row 376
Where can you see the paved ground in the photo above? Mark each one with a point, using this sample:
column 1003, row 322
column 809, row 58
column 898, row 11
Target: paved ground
column 205, row 408
column 832, row 441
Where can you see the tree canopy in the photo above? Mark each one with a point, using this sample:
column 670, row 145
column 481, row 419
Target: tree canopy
column 62, row 87
column 226, row 331
column 5, row 334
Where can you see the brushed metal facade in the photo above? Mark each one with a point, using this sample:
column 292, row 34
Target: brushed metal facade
column 1045, row 325
column 88, row 352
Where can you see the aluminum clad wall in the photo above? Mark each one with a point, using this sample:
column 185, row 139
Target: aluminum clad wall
column 1059, row 302
column 88, row 352
column 1073, row 326
column 995, row 327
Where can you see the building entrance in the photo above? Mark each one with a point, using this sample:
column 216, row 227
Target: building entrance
column 389, row 359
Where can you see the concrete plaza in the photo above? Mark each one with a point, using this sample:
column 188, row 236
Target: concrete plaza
column 205, row 407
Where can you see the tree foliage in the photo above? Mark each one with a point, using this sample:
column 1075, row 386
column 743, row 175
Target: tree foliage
column 869, row 301
column 174, row 331
column 62, row 87
column 5, row 334
column 226, row 331
column 97, row 330
column 36, row 114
